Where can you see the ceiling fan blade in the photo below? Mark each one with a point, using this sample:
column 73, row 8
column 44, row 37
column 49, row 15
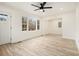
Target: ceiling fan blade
column 47, row 7
column 43, row 3
column 35, row 5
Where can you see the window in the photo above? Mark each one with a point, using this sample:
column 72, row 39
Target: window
column 24, row 24
column 30, row 24
column 3, row 17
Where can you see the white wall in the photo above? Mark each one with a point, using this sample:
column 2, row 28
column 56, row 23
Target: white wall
column 54, row 29
column 77, row 26
column 68, row 23
column 44, row 26
column 52, row 23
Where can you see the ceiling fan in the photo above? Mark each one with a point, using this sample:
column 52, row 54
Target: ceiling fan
column 41, row 7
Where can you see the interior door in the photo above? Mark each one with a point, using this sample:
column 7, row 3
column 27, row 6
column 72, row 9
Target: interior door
column 4, row 29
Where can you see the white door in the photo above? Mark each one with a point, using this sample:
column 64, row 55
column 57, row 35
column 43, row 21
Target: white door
column 4, row 29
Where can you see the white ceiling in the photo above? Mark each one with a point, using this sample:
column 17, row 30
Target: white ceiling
column 58, row 7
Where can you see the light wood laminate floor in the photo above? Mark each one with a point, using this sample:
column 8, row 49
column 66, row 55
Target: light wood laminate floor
column 49, row 45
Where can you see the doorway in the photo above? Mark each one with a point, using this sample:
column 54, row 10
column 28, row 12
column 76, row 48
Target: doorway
column 4, row 28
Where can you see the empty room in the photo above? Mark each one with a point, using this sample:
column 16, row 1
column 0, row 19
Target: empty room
column 39, row 28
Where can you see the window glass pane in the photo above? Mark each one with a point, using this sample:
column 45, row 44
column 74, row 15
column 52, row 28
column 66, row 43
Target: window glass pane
column 3, row 17
column 59, row 24
column 24, row 24
column 32, row 24
column 38, row 25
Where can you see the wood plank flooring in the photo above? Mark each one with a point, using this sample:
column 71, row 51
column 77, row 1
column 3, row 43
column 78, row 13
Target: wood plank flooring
column 49, row 45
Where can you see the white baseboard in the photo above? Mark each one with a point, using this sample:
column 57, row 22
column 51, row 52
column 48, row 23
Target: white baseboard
column 67, row 37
